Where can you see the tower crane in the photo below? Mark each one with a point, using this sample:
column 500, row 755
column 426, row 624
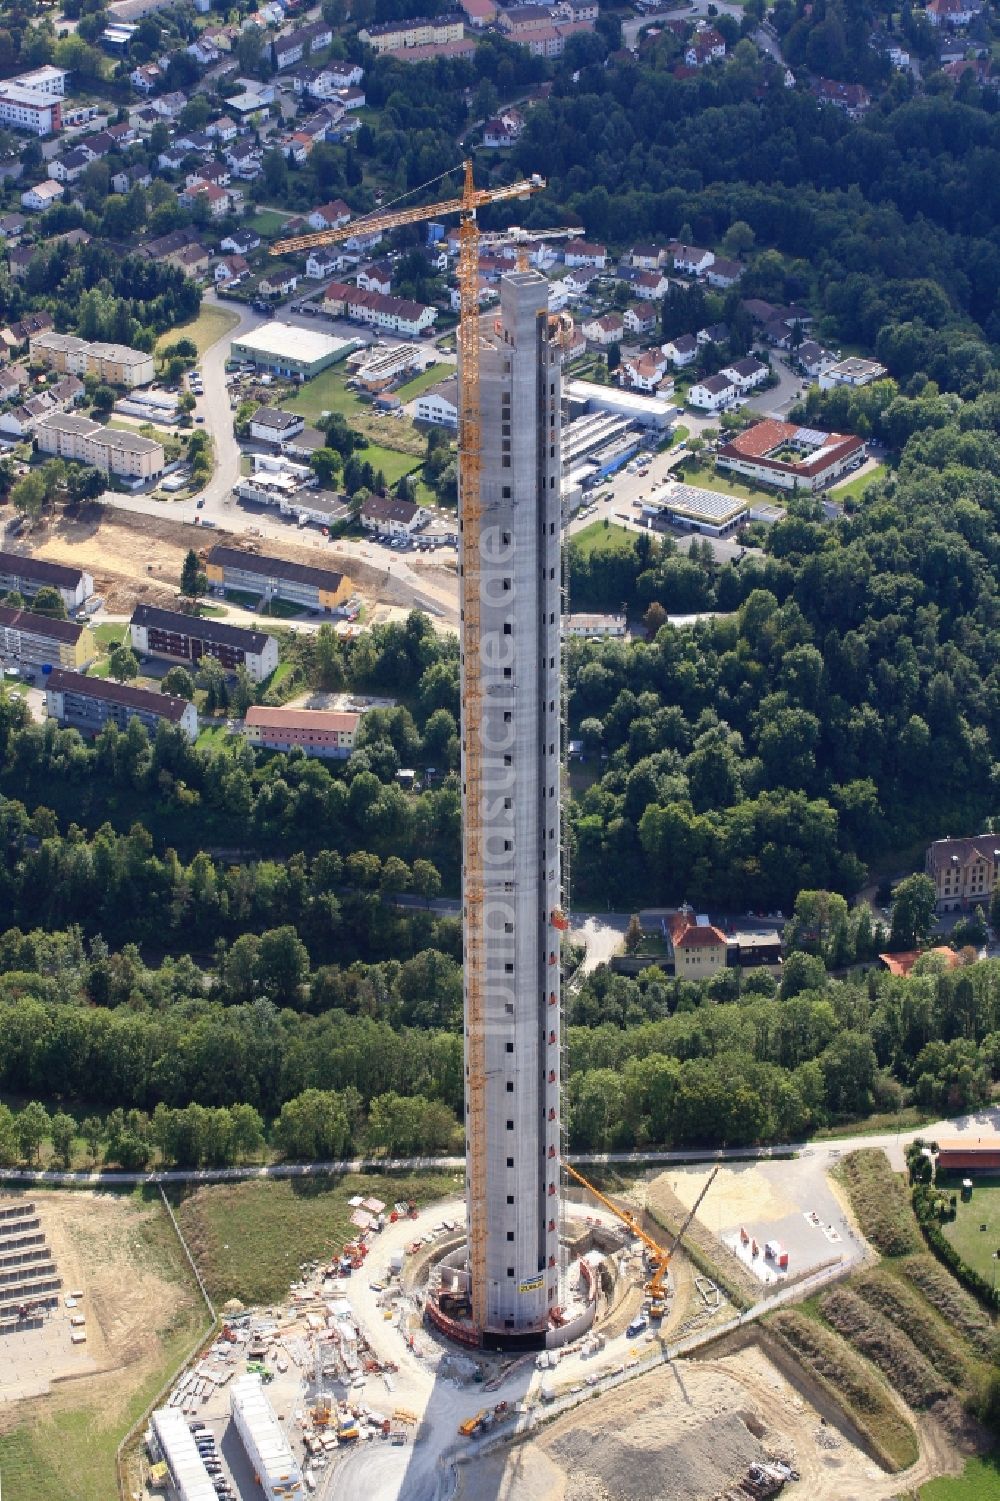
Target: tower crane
column 472, row 199
column 659, row 1256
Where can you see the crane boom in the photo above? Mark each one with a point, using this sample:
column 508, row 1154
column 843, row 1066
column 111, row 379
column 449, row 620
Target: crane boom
column 472, row 198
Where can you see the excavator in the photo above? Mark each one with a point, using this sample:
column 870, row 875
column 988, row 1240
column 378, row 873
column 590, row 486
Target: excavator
column 659, row 1257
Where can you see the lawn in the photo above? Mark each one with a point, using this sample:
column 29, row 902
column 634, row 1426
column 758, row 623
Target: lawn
column 204, row 331
column 979, row 1481
column 707, row 477
column 267, row 222
column 212, row 737
column 432, row 376
column 600, row 538
column 71, row 1453
column 326, row 392
column 975, row 1230
column 249, row 1239
column 392, row 464
column 110, row 634
column 854, row 489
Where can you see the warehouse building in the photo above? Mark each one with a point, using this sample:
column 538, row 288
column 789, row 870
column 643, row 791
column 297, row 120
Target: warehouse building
column 88, row 704
column 276, row 578
column 317, row 732
column 286, row 350
column 185, row 638
column 179, row 1453
column 28, row 575
column 32, row 641
column 266, row 1445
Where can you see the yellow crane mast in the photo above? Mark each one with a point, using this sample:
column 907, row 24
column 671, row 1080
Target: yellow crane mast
column 659, row 1256
column 469, row 458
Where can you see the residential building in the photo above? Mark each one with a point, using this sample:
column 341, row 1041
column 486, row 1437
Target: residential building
column 746, row 374
column 115, row 364
column 70, row 166
column 177, row 637
column 705, row 46
column 851, row 372
column 518, row 21
column 479, row 13
column 32, row 102
column 272, row 425
column 951, row 12
column 964, row 871
column 692, row 260
column 240, row 241
column 511, row 829
column 421, row 31
column 26, row 576
column 376, row 278
column 231, row 269
column 394, row 314
column 33, row 641
column 42, row 196
column 12, row 226
column 316, row 732
column 790, row 457
column 696, row 947
column 853, row 98
column 88, row 704
column 275, row 578
column 595, row 627
column 645, row 372
column 583, row 253
column 389, row 517
column 651, row 286
column 330, row 215
column 713, row 333
column 324, row 261
column 724, row 274
column 126, row 454
column 647, row 257
column 681, row 351
column 902, row 963
column 712, row 394
column 813, row 359
column 439, row 404
column 145, row 78
column 608, row 329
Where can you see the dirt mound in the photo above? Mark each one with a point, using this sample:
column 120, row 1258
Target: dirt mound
column 692, row 1456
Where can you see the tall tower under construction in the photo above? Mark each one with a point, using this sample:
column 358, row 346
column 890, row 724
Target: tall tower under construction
column 512, row 898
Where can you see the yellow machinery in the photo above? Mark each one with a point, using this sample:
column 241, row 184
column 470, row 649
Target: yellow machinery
column 659, row 1256
column 469, row 451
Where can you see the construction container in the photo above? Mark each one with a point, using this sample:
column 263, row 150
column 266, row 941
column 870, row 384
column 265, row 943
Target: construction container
column 266, row 1445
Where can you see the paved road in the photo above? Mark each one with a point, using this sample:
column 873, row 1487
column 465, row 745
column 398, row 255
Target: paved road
column 985, row 1124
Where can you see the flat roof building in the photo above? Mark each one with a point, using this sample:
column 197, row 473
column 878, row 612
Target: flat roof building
column 264, row 1441
column 30, row 640
column 28, row 575
column 710, row 511
column 88, row 704
column 648, row 411
column 317, row 732
column 278, row 578
column 184, row 1463
column 187, row 638
column 288, row 350
column 594, row 626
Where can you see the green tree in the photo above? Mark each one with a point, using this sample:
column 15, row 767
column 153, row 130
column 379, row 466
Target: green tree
column 912, row 912
column 179, row 682
column 33, row 1126
column 63, row 1128
column 104, row 399
column 312, row 1127
column 92, row 1131
column 282, row 965
column 48, row 601
column 122, row 663
column 194, row 581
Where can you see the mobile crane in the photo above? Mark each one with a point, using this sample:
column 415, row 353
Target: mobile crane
column 466, row 207
column 659, row 1257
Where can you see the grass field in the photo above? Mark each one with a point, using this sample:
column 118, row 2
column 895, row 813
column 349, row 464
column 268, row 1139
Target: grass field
column 707, row 477
column 600, row 538
column 392, row 464
column 109, row 635
column 326, row 392
column 855, row 488
column 432, row 376
column 204, row 331
column 975, row 1230
column 267, row 222
column 979, row 1481
column 250, row 1238
column 70, row 1452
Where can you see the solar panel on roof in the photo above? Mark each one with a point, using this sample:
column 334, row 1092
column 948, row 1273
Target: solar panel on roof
column 810, row 435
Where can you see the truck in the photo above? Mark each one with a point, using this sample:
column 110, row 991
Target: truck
column 638, row 1325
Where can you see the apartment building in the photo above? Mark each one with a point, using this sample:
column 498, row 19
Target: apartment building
column 316, row 732
column 276, row 578
column 421, row 31
column 393, row 314
column 88, row 704
column 32, row 641
column 28, row 575
column 964, row 871
column 177, row 637
column 116, row 364
column 127, row 454
column 33, row 101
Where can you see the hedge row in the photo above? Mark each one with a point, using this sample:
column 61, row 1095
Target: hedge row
column 923, row 1208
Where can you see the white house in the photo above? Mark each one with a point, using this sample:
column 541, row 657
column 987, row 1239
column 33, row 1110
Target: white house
column 390, row 517
column 692, row 259
column 723, row 274
column 42, row 196
column 439, row 405
column 330, row 215
column 583, row 253
column 681, row 351
column 606, row 330
column 578, row 282
column 713, row 393
column 273, row 425
column 746, row 374
column 145, row 78
column 651, row 285
column 376, row 278
column 640, row 320
column 646, row 371
column 323, row 262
